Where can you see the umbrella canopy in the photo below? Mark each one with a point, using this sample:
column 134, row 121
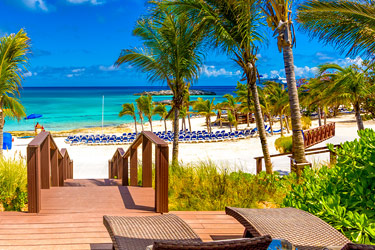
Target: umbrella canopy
column 33, row 116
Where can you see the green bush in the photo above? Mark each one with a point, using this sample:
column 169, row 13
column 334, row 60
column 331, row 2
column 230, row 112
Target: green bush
column 343, row 195
column 367, row 117
column 13, row 184
column 284, row 144
column 205, row 186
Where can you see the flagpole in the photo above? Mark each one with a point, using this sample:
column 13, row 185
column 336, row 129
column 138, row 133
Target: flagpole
column 102, row 113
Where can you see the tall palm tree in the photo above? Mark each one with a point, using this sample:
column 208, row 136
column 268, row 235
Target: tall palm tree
column 161, row 110
column 172, row 53
column 244, row 97
column 129, row 109
column 147, row 107
column 140, row 109
column 348, row 85
column 219, row 108
column 234, row 27
column 14, row 50
column 346, row 25
column 231, row 120
column 206, row 108
column 279, row 18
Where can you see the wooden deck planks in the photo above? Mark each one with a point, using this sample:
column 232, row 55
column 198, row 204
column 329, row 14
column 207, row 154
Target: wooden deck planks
column 71, row 217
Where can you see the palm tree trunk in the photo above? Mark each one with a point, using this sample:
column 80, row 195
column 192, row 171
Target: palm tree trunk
column 298, row 141
column 325, row 115
column 281, row 124
column 260, row 126
column 175, row 136
column 287, row 124
column 270, row 121
column 135, row 125
column 209, row 122
column 1, row 131
column 141, row 117
column 319, row 117
column 165, row 125
column 358, row 117
column 188, row 116
column 230, row 126
column 150, row 120
column 248, row 120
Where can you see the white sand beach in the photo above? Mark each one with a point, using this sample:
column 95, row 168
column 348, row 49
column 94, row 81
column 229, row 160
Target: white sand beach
column 92, row 161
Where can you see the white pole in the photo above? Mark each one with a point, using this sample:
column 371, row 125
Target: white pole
column 102, row 113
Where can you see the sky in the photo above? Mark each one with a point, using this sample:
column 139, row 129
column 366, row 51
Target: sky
column 76, row 42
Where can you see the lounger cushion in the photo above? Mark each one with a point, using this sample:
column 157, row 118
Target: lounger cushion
column 259, row 243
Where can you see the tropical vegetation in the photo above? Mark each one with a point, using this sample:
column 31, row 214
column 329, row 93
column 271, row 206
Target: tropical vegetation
column 14, row 51
column 171, row 53
column 129, row 109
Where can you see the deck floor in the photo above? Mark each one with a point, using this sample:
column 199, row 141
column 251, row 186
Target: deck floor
column 72, row 217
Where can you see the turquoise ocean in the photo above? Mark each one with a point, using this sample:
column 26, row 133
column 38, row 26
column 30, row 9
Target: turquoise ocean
column 66, row 108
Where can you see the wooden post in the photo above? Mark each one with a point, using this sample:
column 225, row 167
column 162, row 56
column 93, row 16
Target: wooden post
column 259, row 165
column 71, row 169
column 33, row 179
column 110, row 172
column 115, row 167
column 45, row 160
column 65, row 163
column 133, row 167
column 125, row 172
column 120, row 166
column 161, row 179
column 61, row 172
column 54, row 168
column 146, row 162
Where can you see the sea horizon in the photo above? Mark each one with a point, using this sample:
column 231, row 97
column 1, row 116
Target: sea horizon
column 67, row 108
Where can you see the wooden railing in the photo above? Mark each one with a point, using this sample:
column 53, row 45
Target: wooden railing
column 319, row 134
column 310, row 151
column 118, row 167
column 46, row 166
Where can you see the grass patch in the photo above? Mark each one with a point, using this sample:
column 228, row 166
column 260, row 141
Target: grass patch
column 13, row 184
column 206, row 186
column 284, row 144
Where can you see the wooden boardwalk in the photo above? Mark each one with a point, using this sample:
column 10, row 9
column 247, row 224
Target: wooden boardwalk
column 72, row 217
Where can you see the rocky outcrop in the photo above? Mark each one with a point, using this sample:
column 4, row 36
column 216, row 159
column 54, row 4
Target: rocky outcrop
column 169, row 92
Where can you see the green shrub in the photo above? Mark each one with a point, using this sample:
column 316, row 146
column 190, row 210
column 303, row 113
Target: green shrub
column 13, row 184
column 284, row 144
column 367, row 117
column 343, row 195
column 205, row 186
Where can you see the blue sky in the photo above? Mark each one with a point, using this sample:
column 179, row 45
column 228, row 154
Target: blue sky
column 75, row 43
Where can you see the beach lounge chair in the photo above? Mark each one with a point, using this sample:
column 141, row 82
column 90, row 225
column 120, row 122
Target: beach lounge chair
column 304, row 230
column 168, row 231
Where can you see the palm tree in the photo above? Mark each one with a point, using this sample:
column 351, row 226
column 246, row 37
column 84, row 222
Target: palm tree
column 161, row 110
column 140, row 109
column 346, row 25
column 348, row 85
column 13, row 59
column 206, row 108
column 219, row 107
column 231, row 104
column 278, row 98
column 279, row 18
column 234, row 26
column 129, row 109
column 172, row 53
column 231, row 120
column 244, row 97
column 147, row 107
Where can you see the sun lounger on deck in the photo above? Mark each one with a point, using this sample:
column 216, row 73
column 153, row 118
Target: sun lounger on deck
column 168, row 231
column 304, row 230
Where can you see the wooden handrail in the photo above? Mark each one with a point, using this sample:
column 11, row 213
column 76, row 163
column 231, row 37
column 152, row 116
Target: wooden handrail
column 118, row 166
column 46, row 166
column 310, row 151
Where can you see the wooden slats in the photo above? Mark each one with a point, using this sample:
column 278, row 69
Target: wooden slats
column 72, row 217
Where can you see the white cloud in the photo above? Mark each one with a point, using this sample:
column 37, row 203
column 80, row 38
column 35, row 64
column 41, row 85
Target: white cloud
column 265, row 76
column 323, row 56
column 93, row 2
column 210, row 70
column 305, row 71
column 108, row 68
column 27, row 74
column 349, row 61
column 274, row 73
column 69, row 75
column 78, row 70
column 36, row 4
